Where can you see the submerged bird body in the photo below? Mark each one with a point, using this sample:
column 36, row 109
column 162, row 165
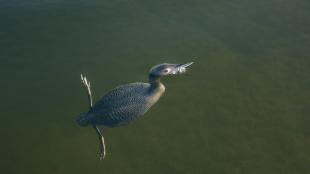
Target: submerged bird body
column 126, row 103
column 123, row 104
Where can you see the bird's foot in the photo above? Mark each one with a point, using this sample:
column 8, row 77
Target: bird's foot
column 101, row 148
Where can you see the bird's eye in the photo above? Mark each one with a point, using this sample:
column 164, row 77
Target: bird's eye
column 166, row 70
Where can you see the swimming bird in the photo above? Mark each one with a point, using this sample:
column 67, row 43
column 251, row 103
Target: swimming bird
column 126, row 103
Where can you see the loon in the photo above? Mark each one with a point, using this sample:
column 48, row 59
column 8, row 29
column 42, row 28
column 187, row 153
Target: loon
column 126, row 103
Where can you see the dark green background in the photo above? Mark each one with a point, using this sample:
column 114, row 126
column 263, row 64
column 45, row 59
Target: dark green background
column 243, row 109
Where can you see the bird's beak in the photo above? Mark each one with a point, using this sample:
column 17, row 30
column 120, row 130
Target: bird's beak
column 181, row 68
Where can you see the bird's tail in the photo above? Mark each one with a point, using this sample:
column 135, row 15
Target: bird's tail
column 83, row 119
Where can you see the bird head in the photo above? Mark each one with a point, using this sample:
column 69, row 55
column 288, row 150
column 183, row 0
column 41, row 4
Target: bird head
column 165, row 69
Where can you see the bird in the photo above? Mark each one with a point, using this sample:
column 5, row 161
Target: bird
column 126, row 103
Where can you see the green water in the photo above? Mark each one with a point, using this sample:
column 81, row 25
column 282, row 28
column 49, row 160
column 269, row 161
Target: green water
column 243, row 109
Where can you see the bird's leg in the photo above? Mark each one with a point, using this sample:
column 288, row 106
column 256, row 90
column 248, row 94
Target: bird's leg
column 86, row 84
column 101, row 139
column 87, row 87
column 101, row 143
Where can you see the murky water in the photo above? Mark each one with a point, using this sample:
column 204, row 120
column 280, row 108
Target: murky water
column 243, row 109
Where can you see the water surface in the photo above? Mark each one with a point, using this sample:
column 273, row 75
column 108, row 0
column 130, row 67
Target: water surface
column 243, row 109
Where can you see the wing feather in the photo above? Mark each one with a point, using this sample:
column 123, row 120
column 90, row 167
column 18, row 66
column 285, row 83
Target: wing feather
column 122, row 104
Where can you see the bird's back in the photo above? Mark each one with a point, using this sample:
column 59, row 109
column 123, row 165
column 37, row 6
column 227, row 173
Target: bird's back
column 123, row 104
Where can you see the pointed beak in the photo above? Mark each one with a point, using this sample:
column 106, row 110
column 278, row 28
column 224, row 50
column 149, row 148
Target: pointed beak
column 181, row 68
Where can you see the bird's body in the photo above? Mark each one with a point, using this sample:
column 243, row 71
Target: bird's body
column 124, row 104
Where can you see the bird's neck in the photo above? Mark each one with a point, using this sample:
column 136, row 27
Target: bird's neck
column 156, row 85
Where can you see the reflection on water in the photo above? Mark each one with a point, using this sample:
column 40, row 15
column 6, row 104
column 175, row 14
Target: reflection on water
column 243, row 109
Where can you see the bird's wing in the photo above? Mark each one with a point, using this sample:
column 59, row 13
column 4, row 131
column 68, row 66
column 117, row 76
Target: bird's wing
column 122, row 104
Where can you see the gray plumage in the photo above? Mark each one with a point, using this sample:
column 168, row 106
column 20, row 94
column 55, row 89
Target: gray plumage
column 125, row 103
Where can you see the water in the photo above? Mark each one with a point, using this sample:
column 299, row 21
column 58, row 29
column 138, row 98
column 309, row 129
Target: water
column 243, row 109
